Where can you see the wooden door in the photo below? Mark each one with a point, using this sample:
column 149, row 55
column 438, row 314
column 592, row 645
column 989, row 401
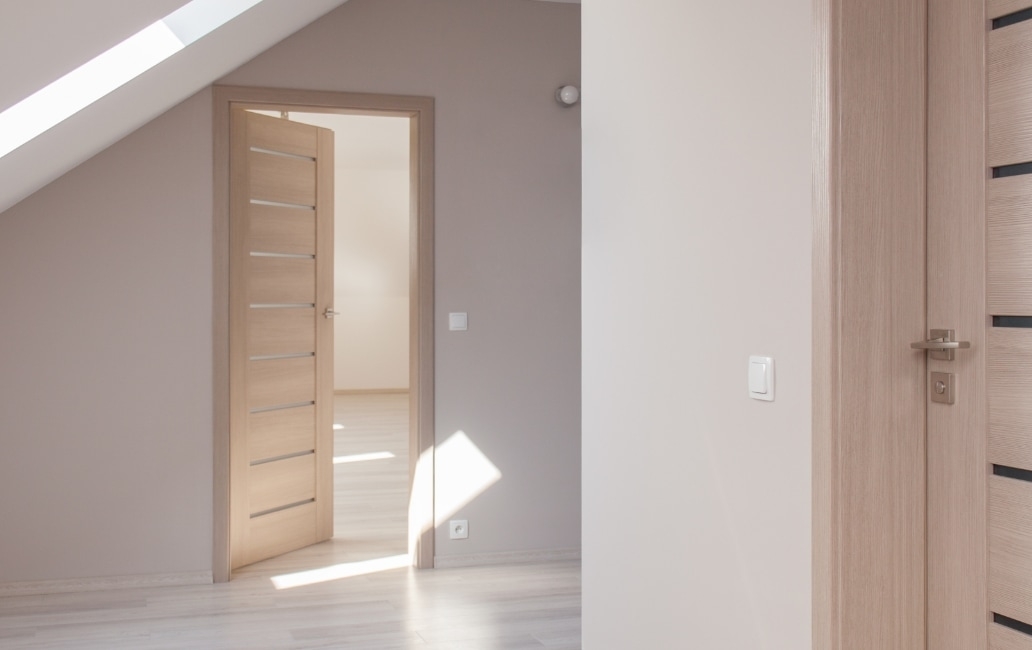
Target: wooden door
column 281, row 345
column 1009, row 322
column 957, row 476
column 980, row 282
column 923, row 509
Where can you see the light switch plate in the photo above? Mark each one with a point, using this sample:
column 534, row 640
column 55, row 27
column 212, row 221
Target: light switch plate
column 458, row 321
column 761, row 378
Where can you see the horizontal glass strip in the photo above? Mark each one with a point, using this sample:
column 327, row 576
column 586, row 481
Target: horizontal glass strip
column 273, row 357
column 285, row 305
column 286, row 507
column 1012, row 19
column 1012, row 321
column 298, row 454
column 282, row 153
column 277, row 204
column 1012, row 472
column 281, row 407
column 293, row 256
column 1012, row 623
column 1018, row 169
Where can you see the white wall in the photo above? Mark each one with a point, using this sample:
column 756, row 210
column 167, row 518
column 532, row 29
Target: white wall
column 106, row 289
column 696, row 254
column 371, row 256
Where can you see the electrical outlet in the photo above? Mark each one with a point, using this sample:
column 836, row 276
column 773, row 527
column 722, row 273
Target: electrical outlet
column 458, row 529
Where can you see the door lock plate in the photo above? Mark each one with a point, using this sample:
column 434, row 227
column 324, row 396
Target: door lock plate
column 942, row 388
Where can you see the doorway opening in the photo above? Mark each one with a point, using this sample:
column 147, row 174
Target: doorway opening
column 383, row 329
column 371, row 294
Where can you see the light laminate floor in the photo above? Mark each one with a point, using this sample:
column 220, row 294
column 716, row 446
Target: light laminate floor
column 351, row 599
column 370, row 477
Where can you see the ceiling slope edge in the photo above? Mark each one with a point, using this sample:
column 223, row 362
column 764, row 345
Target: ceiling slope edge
column 85, row 134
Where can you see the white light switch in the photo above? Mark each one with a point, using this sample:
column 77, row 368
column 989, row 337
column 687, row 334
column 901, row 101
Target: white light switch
column 761, row 378
column 757, row 377
column 458, row 321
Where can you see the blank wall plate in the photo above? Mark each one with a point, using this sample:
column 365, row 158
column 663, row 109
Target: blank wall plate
column 458, row 529
column 458, row 321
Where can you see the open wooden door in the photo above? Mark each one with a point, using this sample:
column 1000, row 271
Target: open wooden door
column 957, row 471
column 980, row 282
column 281, row 345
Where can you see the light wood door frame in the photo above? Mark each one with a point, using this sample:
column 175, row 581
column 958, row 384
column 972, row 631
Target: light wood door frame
column 887, row 71
column 869, row 304
column 420, row 111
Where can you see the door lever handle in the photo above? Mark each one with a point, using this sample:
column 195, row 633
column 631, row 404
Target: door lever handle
column 329, row 313
column 940, row 345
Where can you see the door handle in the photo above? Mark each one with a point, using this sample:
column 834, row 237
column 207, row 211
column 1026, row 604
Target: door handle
column 940, row 344
column 329, row 313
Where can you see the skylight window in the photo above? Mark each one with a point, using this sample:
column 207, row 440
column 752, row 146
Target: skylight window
column 112, row 69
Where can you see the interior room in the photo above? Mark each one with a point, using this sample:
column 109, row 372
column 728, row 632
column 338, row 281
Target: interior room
column 619, row 260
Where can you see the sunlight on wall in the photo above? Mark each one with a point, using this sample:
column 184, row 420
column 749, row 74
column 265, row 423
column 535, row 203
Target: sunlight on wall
column 108, row 71
column 462, row 474
column 421, row 499
column 340, row 571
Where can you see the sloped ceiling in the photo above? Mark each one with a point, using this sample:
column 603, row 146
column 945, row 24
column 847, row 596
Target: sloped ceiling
column 41, row 40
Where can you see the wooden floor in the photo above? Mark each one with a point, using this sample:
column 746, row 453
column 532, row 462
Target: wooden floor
column 348, row 594
column 370, row 497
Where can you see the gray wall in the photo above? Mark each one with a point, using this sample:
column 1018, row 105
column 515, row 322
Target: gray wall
column 105, row 278
column 105, row 378
column 696, row 254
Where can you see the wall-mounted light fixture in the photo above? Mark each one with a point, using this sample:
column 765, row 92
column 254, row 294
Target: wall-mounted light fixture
column 567, row 95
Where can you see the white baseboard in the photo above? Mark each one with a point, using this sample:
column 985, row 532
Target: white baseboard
column 507, row 557
column 76, row 585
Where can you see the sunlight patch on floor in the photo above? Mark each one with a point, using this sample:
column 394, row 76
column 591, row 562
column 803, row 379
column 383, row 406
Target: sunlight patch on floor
column 340, row 571
column 358, row 458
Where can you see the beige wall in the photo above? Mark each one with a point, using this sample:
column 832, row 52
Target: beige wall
column 105, row 282
column 371, row 335
column 696, row 255
column 105, row 378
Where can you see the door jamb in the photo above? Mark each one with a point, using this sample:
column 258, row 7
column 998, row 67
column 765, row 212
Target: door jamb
column 843, row 490
column 421, row 313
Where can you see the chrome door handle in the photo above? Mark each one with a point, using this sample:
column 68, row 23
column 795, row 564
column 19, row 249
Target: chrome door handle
column 329, row 313
column 940, row 345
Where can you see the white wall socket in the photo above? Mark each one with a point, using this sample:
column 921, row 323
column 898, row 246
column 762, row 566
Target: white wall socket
column 458, row 529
